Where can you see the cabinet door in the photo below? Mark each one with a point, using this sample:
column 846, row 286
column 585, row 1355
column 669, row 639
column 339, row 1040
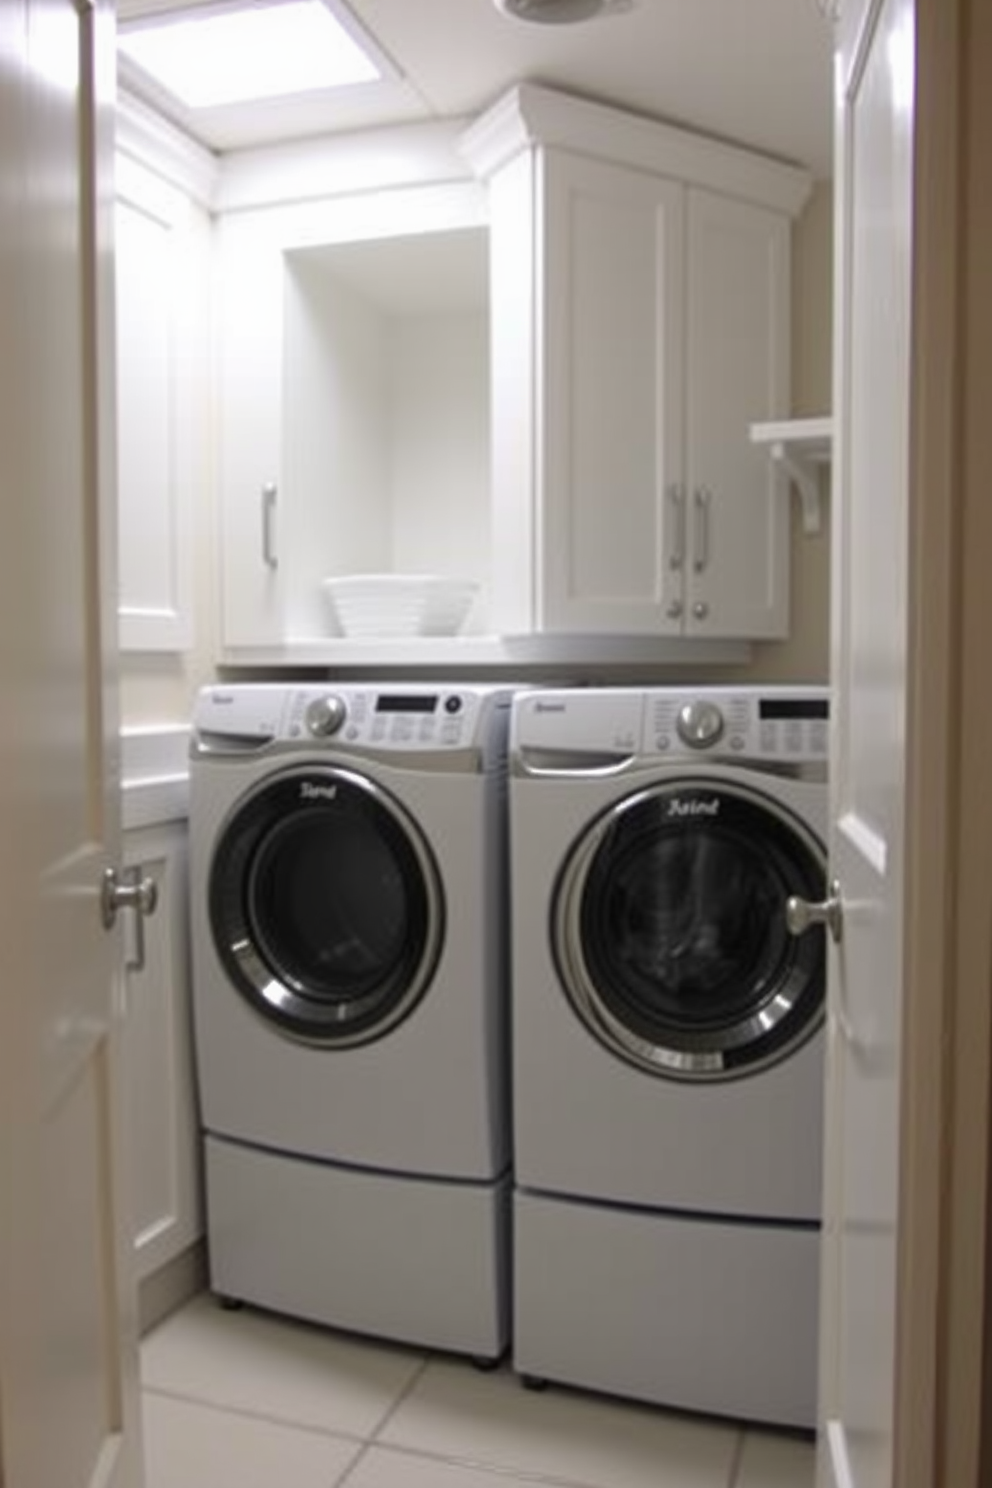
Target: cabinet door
column 251, row 294
column 161, row 1133
column 162, row 343
column 608, row 422
column 737, row 372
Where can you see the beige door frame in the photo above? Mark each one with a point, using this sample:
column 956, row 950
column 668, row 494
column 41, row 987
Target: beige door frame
column 944, row 1342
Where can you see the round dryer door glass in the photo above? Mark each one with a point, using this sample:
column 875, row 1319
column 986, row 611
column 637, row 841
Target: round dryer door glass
column 670, row 934
column 326, row 906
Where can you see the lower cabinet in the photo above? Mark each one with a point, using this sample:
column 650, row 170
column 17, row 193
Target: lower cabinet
column 161, row 1128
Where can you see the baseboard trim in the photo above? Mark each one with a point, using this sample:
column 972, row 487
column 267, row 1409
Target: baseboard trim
column 173, row 1284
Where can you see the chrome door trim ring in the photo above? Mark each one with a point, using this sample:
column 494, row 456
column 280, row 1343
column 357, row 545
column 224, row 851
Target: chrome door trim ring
column 579, row 987
column 284, row 1006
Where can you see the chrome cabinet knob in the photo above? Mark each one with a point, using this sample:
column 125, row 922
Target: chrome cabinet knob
column 700, row 609
column 801, row 915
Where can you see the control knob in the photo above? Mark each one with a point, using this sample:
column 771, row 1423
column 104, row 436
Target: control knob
column 699, row 724
column 325, row 715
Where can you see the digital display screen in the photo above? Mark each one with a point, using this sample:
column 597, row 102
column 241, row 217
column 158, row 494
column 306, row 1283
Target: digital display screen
column 774, row 708
column 405, row 702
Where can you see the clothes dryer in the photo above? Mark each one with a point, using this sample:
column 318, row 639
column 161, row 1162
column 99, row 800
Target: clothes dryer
column 668, row 1044
column 348, row 881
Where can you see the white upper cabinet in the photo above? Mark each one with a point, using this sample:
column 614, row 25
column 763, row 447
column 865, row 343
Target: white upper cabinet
column 640, row 309
column 531, row 359
column 162, row 279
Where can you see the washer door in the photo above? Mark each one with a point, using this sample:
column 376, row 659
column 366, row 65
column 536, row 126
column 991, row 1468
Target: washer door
column 669, row 932
column 326, row 906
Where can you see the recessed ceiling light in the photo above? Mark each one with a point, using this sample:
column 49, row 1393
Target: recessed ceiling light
column 210, row 55
column 559, row 12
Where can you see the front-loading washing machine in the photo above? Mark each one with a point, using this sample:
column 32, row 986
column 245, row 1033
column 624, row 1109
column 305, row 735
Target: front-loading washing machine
column 667, row 1059
column 348, row 882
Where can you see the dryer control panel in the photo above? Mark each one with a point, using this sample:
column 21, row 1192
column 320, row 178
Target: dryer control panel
column 573, row 728
column 776, row 723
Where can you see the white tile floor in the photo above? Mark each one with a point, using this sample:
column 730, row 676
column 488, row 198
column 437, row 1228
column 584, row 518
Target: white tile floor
column 247, row 1400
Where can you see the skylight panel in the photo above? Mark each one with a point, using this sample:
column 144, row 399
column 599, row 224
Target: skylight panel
column 225, row 54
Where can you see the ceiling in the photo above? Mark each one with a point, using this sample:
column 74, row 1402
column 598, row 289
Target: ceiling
column 755, row 71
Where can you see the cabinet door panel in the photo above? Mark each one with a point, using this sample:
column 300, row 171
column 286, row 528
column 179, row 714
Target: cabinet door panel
column 737, row 373
column 161, row 1135
column 160, row 351
column 611, row 392
column 251, row 420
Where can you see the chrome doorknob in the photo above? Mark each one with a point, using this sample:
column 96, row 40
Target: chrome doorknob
column 801, row 915
column 139, row 894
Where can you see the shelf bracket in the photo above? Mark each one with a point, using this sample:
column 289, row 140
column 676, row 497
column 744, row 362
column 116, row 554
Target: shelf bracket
column 805, row 477
column 801, row 447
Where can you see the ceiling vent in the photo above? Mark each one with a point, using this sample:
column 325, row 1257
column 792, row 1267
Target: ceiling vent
column 559, row 12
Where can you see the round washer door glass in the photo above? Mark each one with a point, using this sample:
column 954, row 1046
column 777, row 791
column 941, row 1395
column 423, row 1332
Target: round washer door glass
column 669, row 930
column 326, row 906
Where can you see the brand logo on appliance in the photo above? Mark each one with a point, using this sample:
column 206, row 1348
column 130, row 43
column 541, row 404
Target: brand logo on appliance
column 311, row 792
column 543, row 707
column 694, row 807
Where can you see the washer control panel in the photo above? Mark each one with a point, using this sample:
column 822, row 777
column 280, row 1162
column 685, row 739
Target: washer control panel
column 391, row 718
column 403, row 717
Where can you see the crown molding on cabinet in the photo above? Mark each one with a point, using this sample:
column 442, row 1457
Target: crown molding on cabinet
column 342, row 165
column 530, row 115
column 146, row 136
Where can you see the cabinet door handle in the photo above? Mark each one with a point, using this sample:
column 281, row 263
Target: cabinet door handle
column 129, row 889
column 676, row 500
column 270, row 557
column 701, row 534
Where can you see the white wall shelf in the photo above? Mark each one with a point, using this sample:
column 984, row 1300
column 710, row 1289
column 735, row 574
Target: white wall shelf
column 801, row 447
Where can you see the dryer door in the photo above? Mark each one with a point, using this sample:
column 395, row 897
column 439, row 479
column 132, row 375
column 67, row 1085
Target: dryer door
column 326, row 906
column 670, row 936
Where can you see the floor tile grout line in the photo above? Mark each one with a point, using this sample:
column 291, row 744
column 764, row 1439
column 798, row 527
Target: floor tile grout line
column 244, row 1413
column 363, row 1451
column 368, row 1443
column 399, row 1398
column 480, row 1465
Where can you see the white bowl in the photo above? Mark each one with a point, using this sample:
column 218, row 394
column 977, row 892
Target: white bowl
column 398, row 604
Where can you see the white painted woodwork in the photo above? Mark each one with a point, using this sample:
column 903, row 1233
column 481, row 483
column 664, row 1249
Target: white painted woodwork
column 640, row 323
column 160, row 1128
column 606, row 464
column 69, row 1403
column 874, row 195
column 737, row 371
column 162, row 354
column 552, row 429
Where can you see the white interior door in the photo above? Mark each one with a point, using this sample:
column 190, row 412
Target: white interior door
column 869, row 673
column 68, row 1396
